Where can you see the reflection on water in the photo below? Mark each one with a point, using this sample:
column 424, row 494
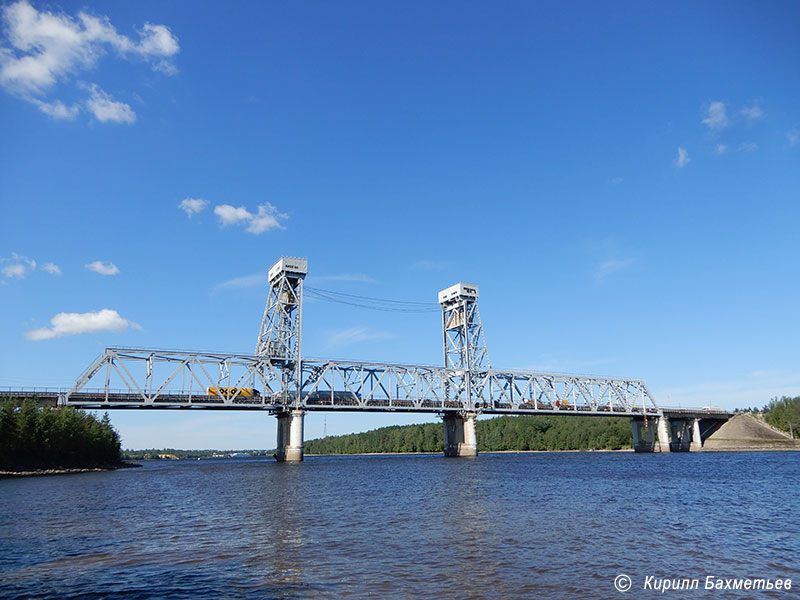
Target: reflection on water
column 281, row 523
column 499, row 526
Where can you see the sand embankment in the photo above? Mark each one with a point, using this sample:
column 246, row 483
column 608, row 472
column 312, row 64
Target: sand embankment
column 746, row 432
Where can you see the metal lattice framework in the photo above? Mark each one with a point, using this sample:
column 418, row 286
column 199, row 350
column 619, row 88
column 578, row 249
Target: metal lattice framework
column 280, row 336
column 464, row 343
column 277, row 378
column 465, row 351
column 281, row 327
column 146, row 378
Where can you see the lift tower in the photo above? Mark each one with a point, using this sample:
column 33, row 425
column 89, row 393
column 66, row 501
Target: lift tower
column 279, row 344
column 466, row 360
column 279, row 338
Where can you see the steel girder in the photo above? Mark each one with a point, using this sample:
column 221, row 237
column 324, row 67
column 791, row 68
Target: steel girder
column 134, row 377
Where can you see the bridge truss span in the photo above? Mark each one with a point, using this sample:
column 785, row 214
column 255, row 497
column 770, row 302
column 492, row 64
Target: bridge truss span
column 150, row 378
column 145, row 378
column 514, row 391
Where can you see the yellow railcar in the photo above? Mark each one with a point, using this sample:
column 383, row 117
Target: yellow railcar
column 228, row 392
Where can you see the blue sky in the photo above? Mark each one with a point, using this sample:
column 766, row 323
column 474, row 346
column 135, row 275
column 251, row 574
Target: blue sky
column 622, row 180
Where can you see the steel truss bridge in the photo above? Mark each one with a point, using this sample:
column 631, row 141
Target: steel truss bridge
column 276, row 377
column 146, row 378
column 279, row 379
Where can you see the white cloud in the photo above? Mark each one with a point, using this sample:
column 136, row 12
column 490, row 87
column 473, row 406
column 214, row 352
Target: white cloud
column 19, row 271
column 105, row 108
column 617, row 180
column 17, row 266
column 721, row 149
column 354, row 335
column 748, row 147
column 192, row 206
column 682, row 159
column 47, row 48
column 229, row 215
column 716, row 118
column 265, row 219
column 57, row 109
column 77, row 323
column 103, row 268
column 247, row 281
column 607, row 267
column 793, row 136
column 752, row 112
column 158, row 41
column 51, row 268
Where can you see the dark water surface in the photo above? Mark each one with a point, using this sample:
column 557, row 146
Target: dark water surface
column 500, row 526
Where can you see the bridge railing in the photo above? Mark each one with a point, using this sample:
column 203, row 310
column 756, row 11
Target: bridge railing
column 32, row 391
column 707, row 410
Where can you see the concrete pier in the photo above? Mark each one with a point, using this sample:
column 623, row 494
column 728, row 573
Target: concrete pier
column 290, row 436
column 697, row 438
column 680, row 435
column 664, row 434
column 663, row 429
column 644, row 438
column 460, row 438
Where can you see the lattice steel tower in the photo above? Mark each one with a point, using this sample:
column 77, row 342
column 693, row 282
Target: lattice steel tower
column 281, row 327
column 464, row 344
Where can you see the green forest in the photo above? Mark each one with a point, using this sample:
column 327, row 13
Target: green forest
column 34, row 437
column 784, row 413
column 527, row 432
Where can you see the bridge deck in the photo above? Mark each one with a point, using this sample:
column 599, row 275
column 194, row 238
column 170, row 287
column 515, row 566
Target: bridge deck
column 100, row 400
column 342, row 401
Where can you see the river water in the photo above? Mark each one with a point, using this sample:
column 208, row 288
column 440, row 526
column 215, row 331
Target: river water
column 544, row 525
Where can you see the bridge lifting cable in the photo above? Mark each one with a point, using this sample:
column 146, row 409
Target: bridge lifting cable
column 367, row 302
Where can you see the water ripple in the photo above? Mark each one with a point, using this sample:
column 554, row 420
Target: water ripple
column 503, row 526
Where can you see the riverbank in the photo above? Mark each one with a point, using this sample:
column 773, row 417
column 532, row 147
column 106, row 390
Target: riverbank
column 70, row 471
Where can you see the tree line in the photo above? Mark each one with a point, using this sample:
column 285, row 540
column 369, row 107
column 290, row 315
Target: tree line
column 35, row 437
column 525, row 432
column 784, row 413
